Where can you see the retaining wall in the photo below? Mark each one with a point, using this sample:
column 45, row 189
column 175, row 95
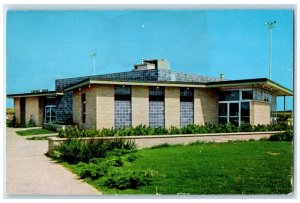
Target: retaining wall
column 150, row 141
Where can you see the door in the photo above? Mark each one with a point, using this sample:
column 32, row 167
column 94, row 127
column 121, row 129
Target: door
column 50, row 114
column 22, row 109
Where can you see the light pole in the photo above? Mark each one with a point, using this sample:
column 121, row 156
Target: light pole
column 270, row 25
column 94, row 56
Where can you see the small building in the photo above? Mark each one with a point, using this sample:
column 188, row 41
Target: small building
column 151, row 94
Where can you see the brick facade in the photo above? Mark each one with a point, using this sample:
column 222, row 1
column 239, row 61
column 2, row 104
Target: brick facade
column 205, row 106
column 260, row 113
column 17, row 109
column 172, row 107
column 105, row 106
column 34, row 110
column 140, row 105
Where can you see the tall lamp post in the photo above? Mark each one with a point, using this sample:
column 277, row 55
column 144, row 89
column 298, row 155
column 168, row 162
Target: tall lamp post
column 94, row 56
column 270, row 25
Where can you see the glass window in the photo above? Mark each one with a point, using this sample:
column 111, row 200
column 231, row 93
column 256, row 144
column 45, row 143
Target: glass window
column 245, row 108
column 229, row 95
column 156, row 93
column 234, row 109
column 222, row 109
column 222, row 120
column 247, row 95
column 186, row 94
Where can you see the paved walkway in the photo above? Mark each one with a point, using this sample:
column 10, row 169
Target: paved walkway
column 30, row 172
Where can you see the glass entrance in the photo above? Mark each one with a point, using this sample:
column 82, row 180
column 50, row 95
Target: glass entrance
column 50, row 114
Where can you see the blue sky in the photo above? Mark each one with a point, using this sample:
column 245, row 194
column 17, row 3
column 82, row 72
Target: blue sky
column 43, row 46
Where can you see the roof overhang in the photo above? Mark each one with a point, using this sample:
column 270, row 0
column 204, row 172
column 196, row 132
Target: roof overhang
column 262, row 83
column 133, row 83
column 36, row 94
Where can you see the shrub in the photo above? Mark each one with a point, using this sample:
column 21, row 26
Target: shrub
column 284, row 136
column 76, row 150
column 31, row 122
column 124, row 179
column 74, row 132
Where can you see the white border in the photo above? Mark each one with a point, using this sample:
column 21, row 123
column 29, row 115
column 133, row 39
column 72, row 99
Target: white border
column 153, row 4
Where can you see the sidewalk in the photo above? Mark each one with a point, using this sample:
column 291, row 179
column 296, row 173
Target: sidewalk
column 30, row 172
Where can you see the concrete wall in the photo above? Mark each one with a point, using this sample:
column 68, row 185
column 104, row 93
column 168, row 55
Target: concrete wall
column 172, row 107
column 105, row 106
column 33, row 109
column 140, row 105
column 205, row 106
column 260, row 113
column 17, row 109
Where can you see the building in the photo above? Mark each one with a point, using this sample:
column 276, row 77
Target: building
column 153, row 95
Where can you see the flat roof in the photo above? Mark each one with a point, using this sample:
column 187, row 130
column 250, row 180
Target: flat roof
column 263, row 83
column 36, row 94
column 133, row 82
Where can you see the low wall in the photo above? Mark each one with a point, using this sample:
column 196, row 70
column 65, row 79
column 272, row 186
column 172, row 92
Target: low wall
column 153, row 140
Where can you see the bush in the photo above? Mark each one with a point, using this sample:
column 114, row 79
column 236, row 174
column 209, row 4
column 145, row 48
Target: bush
column 76, row 150
column 124, row 179
column 284, row 136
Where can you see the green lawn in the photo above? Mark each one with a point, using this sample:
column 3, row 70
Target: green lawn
column 254, row 167
column 34, row 132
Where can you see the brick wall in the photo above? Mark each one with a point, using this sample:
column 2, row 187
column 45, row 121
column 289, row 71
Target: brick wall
column 205, row 106
column 140, row 105
column 90, row 108
column 105, row 106
column 17, row 110
column 172, row 107
column 33, row 109
column 260, row 113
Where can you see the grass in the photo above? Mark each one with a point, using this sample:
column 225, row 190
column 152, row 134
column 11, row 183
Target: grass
column 34, row 132
column 255, row 167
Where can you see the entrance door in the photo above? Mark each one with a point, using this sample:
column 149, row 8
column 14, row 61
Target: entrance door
column 50, row 113
column 22, row 109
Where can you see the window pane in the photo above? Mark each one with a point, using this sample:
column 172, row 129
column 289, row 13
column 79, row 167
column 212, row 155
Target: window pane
column 229, row 95
column 245, row 109
column 245, row 119
column 234, row 109
column 53, row 111
column 223, row 109
column 234, row 120
column 47, row 111
column 222, row 120
column 247, row 95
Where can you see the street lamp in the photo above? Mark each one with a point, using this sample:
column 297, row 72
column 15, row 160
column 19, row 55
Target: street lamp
column 270, row 25
column 94, row 56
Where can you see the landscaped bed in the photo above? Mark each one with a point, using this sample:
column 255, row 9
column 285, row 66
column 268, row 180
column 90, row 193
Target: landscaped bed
column 255, row 167
column 74, row 132
column 34, row 132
